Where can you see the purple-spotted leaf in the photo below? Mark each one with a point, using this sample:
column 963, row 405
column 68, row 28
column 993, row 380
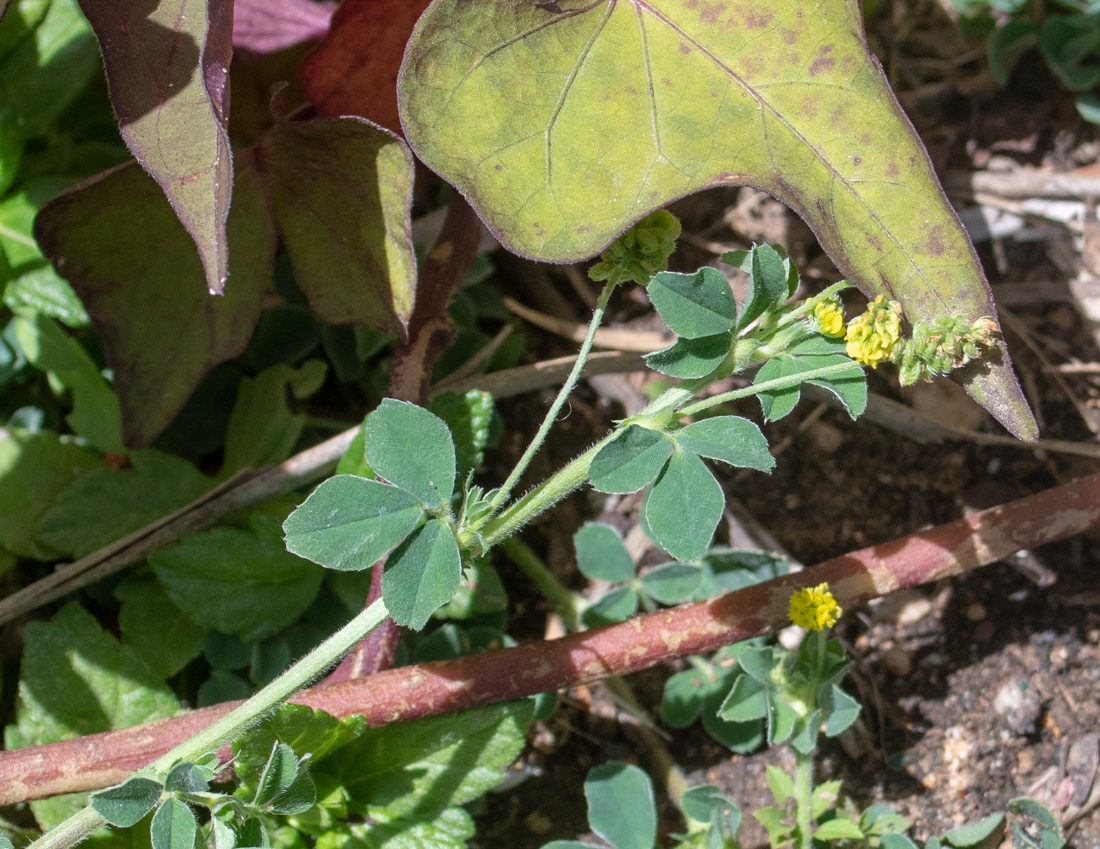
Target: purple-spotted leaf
column 341, row 190
column 267, row 26
column 564, row 122
column 117, row 241
column 167, row 65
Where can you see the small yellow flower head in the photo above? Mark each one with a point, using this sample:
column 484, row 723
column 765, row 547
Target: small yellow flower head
column 830, row 317
column 871, row 337
column 814, row 608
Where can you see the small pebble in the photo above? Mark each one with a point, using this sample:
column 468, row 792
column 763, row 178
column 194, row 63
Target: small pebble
column 826, row 438
column 1019, row 705
column 897, row 660
column 976, row 612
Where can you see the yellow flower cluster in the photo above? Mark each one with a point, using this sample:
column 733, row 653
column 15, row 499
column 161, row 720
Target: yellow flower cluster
column 871, row 337
column 830, row 317
column 814, row 608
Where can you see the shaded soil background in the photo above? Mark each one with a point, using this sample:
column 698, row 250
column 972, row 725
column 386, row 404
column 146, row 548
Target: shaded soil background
column 975, row 690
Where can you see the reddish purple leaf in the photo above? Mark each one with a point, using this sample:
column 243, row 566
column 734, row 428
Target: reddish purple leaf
column 167, row 71
column 267, row 26
column 354, row 70
column 341, row 191
column 117, row 241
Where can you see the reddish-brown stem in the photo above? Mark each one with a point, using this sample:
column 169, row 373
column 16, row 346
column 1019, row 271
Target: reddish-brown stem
column 429, row 328
column 100, row 760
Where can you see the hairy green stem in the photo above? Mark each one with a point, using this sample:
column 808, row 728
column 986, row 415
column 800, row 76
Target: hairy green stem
column 804, row 763
column 808, row 305
column 575, row 473
column 769, row 386
column 567, row 388
column 548, row 493
column 80, row 825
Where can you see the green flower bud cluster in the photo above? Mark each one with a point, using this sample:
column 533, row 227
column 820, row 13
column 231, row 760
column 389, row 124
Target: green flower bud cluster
column 942, row 345
column 640, row 252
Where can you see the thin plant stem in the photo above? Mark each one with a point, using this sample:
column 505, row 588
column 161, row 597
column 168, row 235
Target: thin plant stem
column 804, row 763
column 769, row 386
column 567, row 388
column 803, row 795
column 808, row 306
column 80, row 825
column 547, row 583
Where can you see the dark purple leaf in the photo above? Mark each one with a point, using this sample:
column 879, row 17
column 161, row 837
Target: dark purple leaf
column 116, row 239
column 267, row 26
column 167, row 67
column 340, row 191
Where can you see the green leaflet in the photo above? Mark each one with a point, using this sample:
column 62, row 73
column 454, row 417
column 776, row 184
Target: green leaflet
column 621, row 807
column 412, row 449
column 685, row 507
column 601, row 554
column 350, row 523
column 633, row 459
column 422, row 574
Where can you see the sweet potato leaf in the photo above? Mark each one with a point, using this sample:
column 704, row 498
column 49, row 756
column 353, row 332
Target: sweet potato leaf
column 116, row 239
column 267, row 26
column 341, row 191
column 167, row 65
column 565, row 122
column 354, row 70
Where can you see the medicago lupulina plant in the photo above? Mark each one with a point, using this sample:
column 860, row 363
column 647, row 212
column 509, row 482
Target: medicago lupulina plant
column 406, row 503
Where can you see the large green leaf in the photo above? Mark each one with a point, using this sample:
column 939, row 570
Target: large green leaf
column 116, row 239
column 564, row 122
column 167, row 67
column 107, row 504
column 42, row 74
column 413, row 769
column 76, row 679
column 237, row 581
column 96, row 416
column 34, row 469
